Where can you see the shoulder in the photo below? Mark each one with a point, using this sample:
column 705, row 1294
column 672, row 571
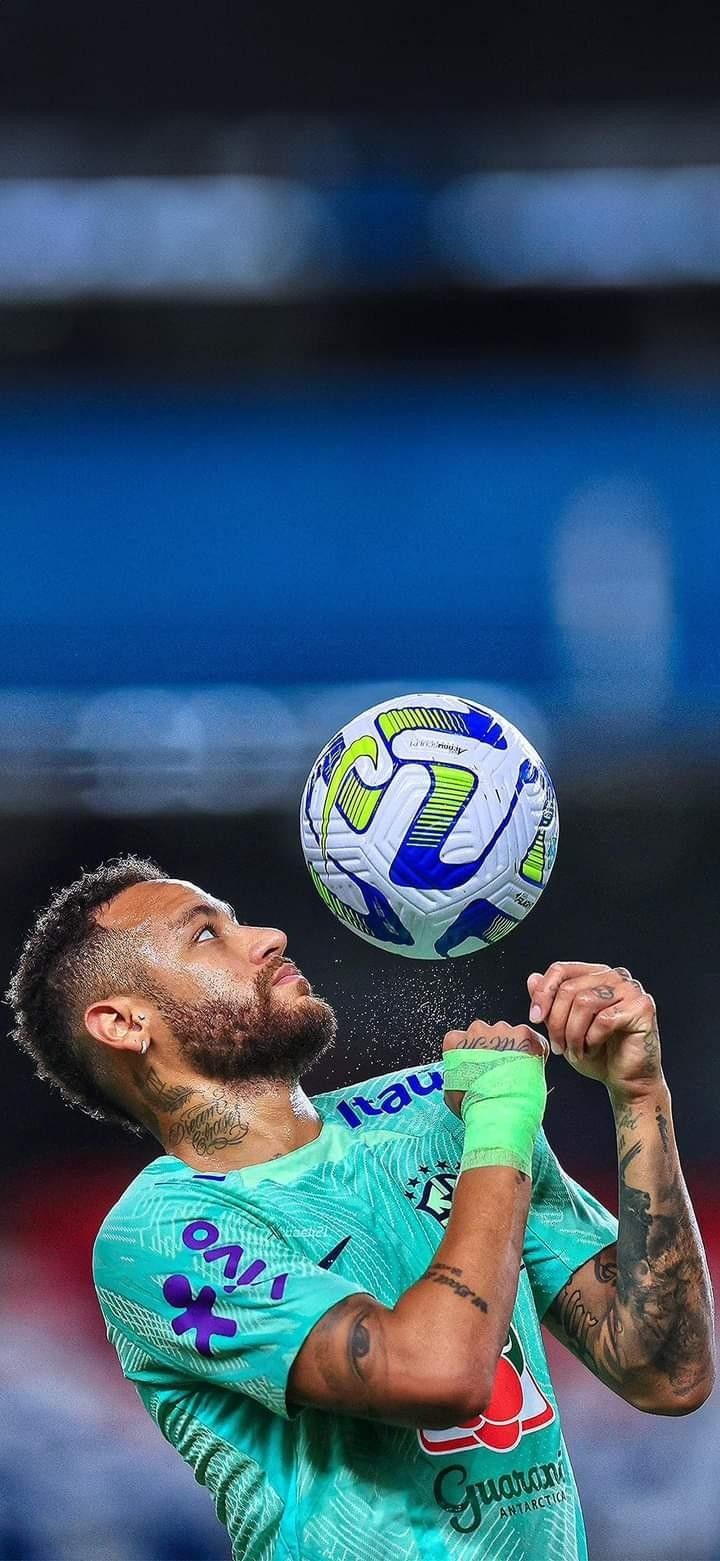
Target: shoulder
column 149, row 1217
column 561, row 1204
column 397, row 1095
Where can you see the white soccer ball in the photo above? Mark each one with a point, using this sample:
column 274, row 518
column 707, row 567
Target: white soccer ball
column 429, row 826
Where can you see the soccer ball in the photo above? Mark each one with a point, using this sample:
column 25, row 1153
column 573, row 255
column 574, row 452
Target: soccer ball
column 429, row 826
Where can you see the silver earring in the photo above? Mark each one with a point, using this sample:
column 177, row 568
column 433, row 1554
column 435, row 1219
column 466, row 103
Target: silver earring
column 144, row 1046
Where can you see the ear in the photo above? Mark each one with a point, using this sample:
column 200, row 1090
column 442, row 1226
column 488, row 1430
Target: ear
column 116, row 1023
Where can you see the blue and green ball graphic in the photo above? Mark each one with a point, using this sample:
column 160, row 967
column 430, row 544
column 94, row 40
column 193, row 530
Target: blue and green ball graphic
column 429, row 826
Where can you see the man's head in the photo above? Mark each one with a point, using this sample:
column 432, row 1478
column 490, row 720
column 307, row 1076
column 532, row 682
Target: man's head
column 127, row 964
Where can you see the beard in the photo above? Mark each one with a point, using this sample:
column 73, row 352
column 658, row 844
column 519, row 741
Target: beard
column 235, row 1040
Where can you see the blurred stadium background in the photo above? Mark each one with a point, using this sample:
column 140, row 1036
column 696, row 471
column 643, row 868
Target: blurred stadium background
column 344, row 353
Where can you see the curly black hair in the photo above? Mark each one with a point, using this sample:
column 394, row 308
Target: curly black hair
column 67, row 961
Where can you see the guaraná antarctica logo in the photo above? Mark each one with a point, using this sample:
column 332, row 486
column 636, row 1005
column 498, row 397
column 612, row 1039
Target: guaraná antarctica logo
column 517, row 1406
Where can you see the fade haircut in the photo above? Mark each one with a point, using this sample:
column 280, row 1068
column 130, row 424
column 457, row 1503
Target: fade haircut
column 68, row 961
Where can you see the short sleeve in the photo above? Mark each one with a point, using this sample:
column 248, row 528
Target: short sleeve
column 566, row 1226
column 222, row 1299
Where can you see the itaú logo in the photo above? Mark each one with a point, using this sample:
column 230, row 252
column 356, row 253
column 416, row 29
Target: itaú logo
column 391, row 1099
column 517, row 1406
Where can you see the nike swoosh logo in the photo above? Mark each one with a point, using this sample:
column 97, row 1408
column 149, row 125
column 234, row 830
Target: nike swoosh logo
column 329, row 1259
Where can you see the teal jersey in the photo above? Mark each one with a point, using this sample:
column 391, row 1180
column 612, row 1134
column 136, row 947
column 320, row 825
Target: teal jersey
column 210, row 1283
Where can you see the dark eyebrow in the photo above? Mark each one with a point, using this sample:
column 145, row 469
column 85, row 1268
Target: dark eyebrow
column 200, row 908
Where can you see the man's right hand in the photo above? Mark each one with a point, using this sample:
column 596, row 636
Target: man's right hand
column 498, row 1037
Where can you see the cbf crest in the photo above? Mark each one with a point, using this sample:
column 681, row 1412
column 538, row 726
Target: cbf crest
column 431, row 1192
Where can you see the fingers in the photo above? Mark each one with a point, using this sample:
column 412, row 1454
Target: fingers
column 544, row 989
column 584, row 1004
column 606, row 1020
column 634, row 1012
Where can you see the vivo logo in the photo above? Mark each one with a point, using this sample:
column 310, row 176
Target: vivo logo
column 391, row 1099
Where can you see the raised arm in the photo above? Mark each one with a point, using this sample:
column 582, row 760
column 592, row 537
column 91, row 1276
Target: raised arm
column 640, row 1314
column 431, row 1359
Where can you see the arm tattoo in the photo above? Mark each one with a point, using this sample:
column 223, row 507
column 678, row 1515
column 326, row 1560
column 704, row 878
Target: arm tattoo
column 346, row 1354
column 437, row 1277
column 576, row 1318
column 627, row 1121
column 658, row 1315
column 662, row 1126
column 359, row 1345
column 605, row 1267
column 577, row 1323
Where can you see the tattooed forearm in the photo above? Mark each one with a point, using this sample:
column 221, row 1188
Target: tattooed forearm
column 642, row 1318
column 626, row 1120
column 662, row 1126
column 660, row 1315
column 442, row 1274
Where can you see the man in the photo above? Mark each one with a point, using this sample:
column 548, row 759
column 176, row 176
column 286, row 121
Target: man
column 332, row 1307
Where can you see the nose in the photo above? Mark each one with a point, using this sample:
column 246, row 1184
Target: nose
column 265, row 943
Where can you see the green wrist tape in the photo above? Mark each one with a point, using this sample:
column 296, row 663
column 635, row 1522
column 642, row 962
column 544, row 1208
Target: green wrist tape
column 505, row 1096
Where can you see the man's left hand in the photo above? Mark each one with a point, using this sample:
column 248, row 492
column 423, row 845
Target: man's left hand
column 603, row 1021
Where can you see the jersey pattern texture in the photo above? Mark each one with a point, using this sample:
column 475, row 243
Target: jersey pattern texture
column 209, row 1285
